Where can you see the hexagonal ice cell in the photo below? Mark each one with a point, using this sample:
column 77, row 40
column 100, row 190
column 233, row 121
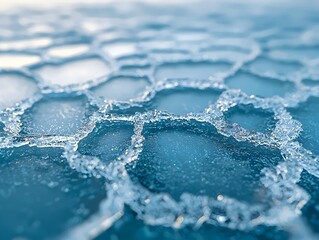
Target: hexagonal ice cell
column 16, row 61
column 190, row 70
column 310, row 82
column 70, row 50
column 225, row 53
column 120, row 49
column 107, row 141
column 121, row 88
column 274, row 67
column 183, row 101
column 307, row 113
column 73, row 72
column 15, row 88
column 41, row 196
column 306, row 53
column 193, row 158
column 259, row 86
column 250, row 118
column 22, row 44
column 54, row 116
column 310, row 212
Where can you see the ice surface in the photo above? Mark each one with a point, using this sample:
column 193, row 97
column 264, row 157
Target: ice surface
column 16, row 61
column 259, row 85
column 251, row 119
column 73, row 72
column 108, row 141
column 197, row 160
column 41, row 196
column 184, row 101
column 160, row 121
column 55, row 116
column 191, row 70
column 65, row 51
column 118, row 50
column 121, row 88
column 15, row 88
column 310, row 82
column 305, row 53
column 25, row 43
column 307, row 113
column 274, row 67
column 311, row 210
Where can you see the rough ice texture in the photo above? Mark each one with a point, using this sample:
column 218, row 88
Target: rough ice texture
column 152, row 122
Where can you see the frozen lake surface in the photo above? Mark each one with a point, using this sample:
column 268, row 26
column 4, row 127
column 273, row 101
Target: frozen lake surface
column 160, row 121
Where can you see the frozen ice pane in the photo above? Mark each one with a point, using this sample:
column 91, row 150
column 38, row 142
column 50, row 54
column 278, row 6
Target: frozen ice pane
column 121, row 49
column 225, row 54
column 269, row 66
column 302, row 53
column 16, row 61
column 107, row 141
column 25, row 43
column 55, row 116
column 41, row 196
column 193, row 158
column 190, row 70
column 169, row 55
column 121, row 88
column 73, row 72
column 307, row 113
column 311, row 210
column 252, row 119
column 259, row 86
column 136, row 70
column 65, row 51
column 15, row 88
column 310, row 82
column 184, row 101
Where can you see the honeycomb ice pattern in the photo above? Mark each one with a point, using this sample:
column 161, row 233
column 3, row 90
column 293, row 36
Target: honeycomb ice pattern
column 146, row 121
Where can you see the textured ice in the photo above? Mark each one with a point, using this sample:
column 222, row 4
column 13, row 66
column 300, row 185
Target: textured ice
column 259, row 85
column 121, row 88
column 73, row 72
column 310, row 82
column 54, row 116
column 121, row 49
column 195, row 159
column 129, row 227
column 65, row 51
column 108, row 141
column 192, row 70
column 22, row 44
column 252, row 119
column 304, row 53
column 14, row 88
column 273, row 67
column 307, row 113
column 183, row 101
column 41, row 196
column 16, row 61
column 311, row 210
column 155, row 121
